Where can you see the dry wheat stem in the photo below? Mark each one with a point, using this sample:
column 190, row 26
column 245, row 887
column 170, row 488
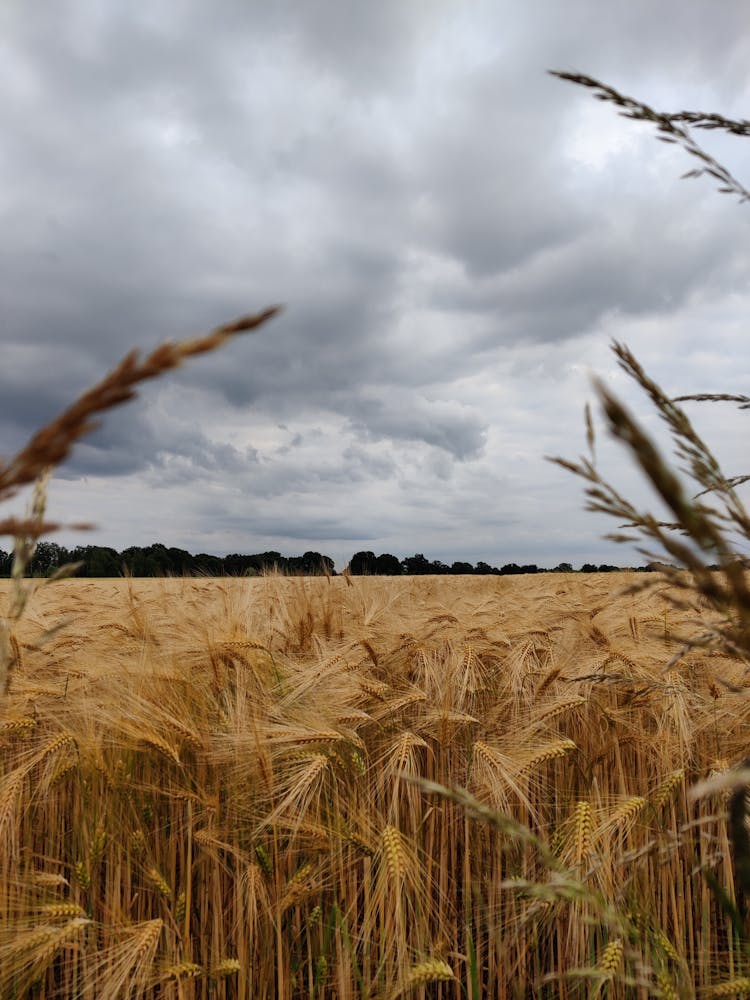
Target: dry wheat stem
column 51, row 445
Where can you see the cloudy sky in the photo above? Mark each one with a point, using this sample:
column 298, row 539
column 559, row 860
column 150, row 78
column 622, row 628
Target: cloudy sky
column 456, row 237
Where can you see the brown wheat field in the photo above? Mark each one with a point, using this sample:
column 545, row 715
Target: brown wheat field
column 227, row 788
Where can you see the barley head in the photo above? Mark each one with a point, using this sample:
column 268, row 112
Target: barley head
column 393, row 852
column 611, row 958
column 431, row 970
column 183, row 970
column 731, row 988
column 225, row 967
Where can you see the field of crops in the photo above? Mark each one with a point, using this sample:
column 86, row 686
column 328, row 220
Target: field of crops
column 443, row 787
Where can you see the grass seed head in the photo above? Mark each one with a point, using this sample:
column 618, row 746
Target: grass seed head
column 183, row 970
column 582, row 830
column 393, row 852
column 731, row 988
column 156, row 878
column 61, row 911
column 666, row 790
column 666, row 986
column 83, row 878
column 226, row 967
column 431, row 970
column 545, row 753
column 611, row 958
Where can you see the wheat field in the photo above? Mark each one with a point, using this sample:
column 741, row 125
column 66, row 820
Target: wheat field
column 374, row 787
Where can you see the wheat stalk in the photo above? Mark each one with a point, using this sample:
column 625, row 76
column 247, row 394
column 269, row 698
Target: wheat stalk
column 125, row 968
column 51, row 445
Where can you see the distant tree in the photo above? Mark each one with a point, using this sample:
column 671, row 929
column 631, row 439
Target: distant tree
column 416, row 565
column 509, row 569
column 363, row 564
column 563, row 567
column 605, row 568
column 98, row 561
column 439, row 568
column 268, row 562
column 531, row 568
column 239, row 565
column 180, row 560
column 104, row 561
column 588, row 568
column 387, row 565
column 155, row 560
column 139, row 561
column 207, row 565
column 6, row 563
column 158, row 560
column 312, row 563
column 48, row 557
column 484, row 569
column 461, row 568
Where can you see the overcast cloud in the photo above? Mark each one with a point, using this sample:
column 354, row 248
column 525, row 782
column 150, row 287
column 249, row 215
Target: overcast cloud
column 456, row 237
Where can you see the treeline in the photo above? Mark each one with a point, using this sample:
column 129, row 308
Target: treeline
column 159, row 560
column 368, row 564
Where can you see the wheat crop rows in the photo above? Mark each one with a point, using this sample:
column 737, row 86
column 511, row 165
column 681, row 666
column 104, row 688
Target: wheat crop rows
column 372, row 788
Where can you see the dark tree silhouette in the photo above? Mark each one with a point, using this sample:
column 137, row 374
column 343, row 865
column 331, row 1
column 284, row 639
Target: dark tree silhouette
column 363, row 564
column 387, row 565
column 416, row 565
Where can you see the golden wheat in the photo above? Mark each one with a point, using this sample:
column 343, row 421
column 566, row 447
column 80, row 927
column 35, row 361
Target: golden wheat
column 239, row 821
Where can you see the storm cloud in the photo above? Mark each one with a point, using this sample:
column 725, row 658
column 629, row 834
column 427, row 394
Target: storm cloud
column 456, row 237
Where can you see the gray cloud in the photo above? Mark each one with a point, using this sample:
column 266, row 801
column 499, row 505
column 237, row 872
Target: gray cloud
column 455, row 234
column 440, row 423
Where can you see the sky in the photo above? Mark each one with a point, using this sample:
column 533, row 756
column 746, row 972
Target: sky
column 455, row 235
